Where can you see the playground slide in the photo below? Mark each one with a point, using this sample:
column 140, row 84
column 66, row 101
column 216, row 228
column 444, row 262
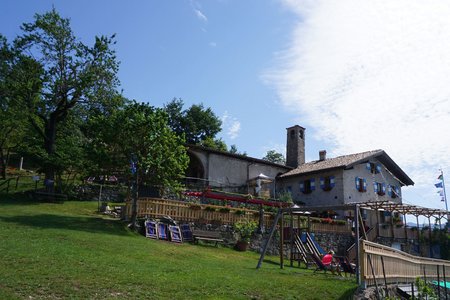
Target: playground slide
column 320, row 249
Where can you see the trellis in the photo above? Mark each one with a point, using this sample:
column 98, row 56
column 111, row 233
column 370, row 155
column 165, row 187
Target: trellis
column 390, row 206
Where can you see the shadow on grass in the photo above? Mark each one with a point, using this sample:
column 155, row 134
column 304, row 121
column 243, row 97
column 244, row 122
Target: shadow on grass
column 87, row 224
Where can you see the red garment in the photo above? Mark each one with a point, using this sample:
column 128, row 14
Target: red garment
column 327, row 259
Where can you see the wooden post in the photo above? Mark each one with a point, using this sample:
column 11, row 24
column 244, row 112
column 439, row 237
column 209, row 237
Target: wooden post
column 281, row 240
column 309, row 224
column 373, row 275
column 404, row 226
column 378, row 223
column 291, row 233
column 445, row 280
column 384, row 275
column 392, row 226
column 418, row 234
column 439, row 282
column 358, row 273
column 429, row 237
column 299, row 232
column 269, row 238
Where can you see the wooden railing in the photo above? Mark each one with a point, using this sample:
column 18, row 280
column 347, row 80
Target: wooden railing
column 351, row 251
column 395, row 266
column 4, row 185
column 203, row 213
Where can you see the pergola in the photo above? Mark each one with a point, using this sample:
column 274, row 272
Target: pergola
column 404, row 209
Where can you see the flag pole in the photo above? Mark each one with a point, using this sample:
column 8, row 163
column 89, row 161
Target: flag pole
column 445, row 195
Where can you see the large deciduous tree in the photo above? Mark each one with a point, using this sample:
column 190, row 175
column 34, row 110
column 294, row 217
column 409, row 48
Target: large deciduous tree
column 72, row 75
column 138, row 132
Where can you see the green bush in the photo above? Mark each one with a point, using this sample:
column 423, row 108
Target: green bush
column 245, row 229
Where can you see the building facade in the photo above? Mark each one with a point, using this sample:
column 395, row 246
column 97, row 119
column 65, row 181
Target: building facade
column 353, row 178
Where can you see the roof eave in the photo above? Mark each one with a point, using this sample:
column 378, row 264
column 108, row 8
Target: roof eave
column 389, row 163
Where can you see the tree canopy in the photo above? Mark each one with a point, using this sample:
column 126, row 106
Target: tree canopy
column 67, row 75
column 275, row 157
column 13, row 69
column 197, row 123
column 141, row 133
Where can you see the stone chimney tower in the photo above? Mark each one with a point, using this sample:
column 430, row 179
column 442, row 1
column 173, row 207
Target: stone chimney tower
column 295, row 146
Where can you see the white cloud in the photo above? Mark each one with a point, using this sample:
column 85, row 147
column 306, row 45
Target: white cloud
column 200, row 15
column 231, row 125
column 234, row 128
column 370, row 75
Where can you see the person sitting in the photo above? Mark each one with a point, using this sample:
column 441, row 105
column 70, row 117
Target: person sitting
column 329, row 263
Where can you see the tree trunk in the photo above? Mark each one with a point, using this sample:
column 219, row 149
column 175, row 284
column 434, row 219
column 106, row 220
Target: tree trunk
column 3, row 164
column 134, row 203
column 49, row 146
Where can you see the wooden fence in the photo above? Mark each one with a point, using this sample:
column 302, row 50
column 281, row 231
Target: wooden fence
column 189, row 212
column 382, row 264
column 213, row 214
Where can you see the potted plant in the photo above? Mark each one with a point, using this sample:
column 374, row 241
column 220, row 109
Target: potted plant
column 224, row 210
column 245, row 229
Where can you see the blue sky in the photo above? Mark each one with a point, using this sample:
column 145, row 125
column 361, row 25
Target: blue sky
column 214, row 52
column 359, row 75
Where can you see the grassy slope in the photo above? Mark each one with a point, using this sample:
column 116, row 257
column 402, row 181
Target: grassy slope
column 66, row 251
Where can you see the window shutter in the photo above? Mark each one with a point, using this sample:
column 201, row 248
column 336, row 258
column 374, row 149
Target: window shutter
column 313, row 184
column 390, row 190
column 379, row 168
column 375, row 187
column 332, row 181
column 368, row 166
column 397, row 190
column 365, row 185
column 302, row 187
column 322, row 182
column 357, row 183
column 384, row 188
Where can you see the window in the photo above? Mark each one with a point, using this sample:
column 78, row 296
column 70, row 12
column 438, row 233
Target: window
column 373, row 168
column 379, row 188
column 361, row 184
column 327, row 183
column 307, row 186
column 393, row 191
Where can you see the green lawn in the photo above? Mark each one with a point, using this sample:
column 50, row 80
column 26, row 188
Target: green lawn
column 54, row 251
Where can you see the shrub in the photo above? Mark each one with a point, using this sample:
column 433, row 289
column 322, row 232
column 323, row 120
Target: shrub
column 245, row 229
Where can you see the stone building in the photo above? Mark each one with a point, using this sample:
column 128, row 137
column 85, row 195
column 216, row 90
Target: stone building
column 231, row 172
column 353, row 178
column 359, row 177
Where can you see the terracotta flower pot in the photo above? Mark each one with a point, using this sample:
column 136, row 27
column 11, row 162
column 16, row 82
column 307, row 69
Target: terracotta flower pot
column 242, row 245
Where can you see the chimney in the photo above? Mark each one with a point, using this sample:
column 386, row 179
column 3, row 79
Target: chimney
column 295, row 146
column 322, row 155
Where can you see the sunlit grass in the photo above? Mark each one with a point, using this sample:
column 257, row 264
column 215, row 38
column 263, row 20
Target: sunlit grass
column 68, row 251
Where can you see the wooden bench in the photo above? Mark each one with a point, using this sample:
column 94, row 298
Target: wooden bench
column 52, row 197
column 208, row 236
